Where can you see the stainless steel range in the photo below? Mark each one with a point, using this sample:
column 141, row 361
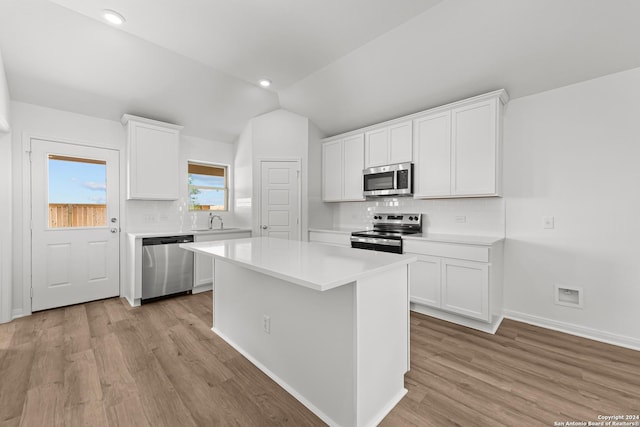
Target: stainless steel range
column 387, row 232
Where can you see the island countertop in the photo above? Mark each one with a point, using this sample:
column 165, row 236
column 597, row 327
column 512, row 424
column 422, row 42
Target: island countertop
column 312, row 265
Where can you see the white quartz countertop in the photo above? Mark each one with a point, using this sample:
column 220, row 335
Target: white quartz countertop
column 467, row 239
column 188, row 232
column 312, row 265
column 338, row 230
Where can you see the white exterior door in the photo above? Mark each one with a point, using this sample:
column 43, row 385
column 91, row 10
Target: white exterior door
column 280, row 199
column 75, row 230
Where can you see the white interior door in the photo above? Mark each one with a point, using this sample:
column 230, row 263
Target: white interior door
column 280, row 199
column 75, row 229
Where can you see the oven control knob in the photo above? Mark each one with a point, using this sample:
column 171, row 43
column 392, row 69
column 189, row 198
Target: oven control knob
column 410, row 218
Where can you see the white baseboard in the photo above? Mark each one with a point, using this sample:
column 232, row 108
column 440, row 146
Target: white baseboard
column 571, row 329
column 293, row 392
column 384, row 411
column 17, row 313
column 204, row 288
column 478, row 325
column 134, row 303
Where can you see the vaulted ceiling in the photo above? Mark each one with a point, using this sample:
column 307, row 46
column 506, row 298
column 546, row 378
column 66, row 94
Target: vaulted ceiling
column 342, row 63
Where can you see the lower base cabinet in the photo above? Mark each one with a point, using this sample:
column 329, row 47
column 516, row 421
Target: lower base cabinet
column 465, row 287
column 203, row 264
column 424, row 280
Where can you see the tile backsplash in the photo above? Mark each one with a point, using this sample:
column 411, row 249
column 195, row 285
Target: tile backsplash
column 483, row 216
column 170, row 216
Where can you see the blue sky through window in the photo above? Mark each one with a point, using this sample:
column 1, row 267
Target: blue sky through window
column 77, row 182
column 207, row 196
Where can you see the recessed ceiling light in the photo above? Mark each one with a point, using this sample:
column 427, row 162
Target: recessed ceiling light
column 113, row 17
column 265, row 82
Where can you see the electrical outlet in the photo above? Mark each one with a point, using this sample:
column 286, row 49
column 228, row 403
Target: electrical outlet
column 548, row 222
column 461, row 219
column 266, row 324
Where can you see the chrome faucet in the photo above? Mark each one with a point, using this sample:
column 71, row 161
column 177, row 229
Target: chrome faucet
column 211, row 217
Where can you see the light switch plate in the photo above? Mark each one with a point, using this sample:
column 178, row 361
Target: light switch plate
column 548, row 222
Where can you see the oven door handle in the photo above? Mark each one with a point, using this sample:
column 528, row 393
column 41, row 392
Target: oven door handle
column 376, row 240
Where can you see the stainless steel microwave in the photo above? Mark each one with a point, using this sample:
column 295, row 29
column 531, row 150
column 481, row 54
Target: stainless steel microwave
column 390, row 180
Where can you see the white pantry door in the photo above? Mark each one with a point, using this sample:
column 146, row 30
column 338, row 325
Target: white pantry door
column 280, row 199
column 75, row 250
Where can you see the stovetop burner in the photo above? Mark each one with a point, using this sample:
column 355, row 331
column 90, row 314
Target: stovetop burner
column 387, row 232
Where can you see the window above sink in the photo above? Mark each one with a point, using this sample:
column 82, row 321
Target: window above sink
column 208, row 189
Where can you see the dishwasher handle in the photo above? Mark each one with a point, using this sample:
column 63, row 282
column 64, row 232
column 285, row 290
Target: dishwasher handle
column 166, row 240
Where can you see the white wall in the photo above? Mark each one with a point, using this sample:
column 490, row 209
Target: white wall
column 573, row 153
column 5, row 199
column 320, row 213
column 4, row 99
column 144, row 215
column 33, row 120
column 279, row 134
column 243, row 163
column 5, row 227
column 28, row 119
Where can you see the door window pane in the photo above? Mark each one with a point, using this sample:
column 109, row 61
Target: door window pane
column 77, row 192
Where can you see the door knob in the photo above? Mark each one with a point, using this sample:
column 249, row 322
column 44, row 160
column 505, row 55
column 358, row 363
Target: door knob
column 114, row 220
column 264, row 227
column 114, row 230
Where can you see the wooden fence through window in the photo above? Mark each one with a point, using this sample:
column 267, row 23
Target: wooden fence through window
column 77, row 215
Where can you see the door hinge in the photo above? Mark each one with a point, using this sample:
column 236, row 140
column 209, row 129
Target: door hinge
column 29, row 155
column 31, row 292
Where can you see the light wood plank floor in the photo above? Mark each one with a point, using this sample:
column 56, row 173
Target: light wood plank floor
column 104, row 363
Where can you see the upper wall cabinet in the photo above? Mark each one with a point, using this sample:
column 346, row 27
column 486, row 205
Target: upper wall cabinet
column 388, row 145
column 457, row 149
column 342, row 164
column 153, row 165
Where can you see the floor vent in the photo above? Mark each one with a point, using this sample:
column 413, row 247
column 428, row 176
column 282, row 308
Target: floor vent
column 569, row 296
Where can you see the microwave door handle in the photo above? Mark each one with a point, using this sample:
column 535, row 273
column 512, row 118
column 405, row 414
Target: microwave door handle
column 395, row 180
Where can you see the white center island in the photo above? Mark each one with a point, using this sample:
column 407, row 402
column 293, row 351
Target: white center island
column 329, row 324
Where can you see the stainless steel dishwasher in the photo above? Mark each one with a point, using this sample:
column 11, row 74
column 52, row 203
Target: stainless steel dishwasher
column 166, row 268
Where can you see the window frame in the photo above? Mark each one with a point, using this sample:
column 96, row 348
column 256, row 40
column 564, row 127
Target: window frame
column 224, row 189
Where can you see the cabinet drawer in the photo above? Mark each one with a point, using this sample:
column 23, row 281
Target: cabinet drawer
column 447, row 250
column 341, row 239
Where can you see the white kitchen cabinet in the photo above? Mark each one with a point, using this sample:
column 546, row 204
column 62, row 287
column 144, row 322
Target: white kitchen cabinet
column 457, row 149
column 153, row 168
column 457, row 282
column 332, row 171
column 474, row 149
column 203, row 264
column 389, row 145
column 432, row 150
column 424, row 280
column 465, row 288
column 342, row 164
